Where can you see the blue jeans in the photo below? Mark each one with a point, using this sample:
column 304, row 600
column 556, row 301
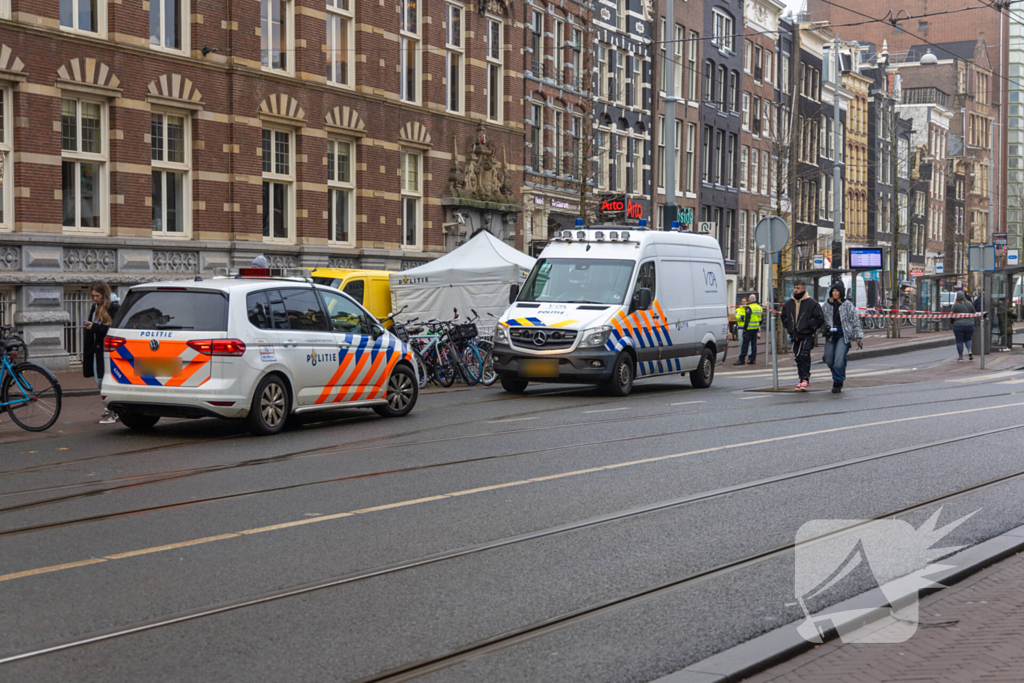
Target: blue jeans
column 835, row 358
column 964, row 336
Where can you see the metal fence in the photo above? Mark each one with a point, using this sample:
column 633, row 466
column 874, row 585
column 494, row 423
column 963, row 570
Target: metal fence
column 77, row 304
column 6, row 307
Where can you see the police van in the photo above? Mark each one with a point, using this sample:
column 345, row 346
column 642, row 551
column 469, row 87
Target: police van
column 254, row 347
column 607, row 305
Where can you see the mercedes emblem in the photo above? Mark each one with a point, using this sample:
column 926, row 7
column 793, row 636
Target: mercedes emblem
column 539, row 338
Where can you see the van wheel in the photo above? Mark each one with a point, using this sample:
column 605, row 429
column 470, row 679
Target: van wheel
column 402, row 392
column 621, row 382
column 139, row 423
column 270, row 407
column 513, row 386
column 704, row 375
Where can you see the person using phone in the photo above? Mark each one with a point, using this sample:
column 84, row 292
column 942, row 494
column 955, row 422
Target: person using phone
column 101, row 315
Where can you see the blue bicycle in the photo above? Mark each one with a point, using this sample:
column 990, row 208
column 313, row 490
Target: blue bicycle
column 29, row 393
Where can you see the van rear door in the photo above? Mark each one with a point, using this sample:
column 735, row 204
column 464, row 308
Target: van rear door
column 150, row 339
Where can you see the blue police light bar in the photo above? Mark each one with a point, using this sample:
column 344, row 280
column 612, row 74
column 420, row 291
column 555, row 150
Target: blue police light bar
column 643, row 223
column 579, row 222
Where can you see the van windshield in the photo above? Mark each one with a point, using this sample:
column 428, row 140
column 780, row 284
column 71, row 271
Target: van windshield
column 578, row 281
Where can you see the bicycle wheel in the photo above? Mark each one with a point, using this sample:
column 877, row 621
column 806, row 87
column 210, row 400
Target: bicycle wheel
column 471, row 365
column 422, row 371
column 444, row 367
column 32, row 396
column 489, row 375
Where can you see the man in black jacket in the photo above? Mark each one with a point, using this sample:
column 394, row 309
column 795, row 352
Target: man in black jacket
column 802, row 316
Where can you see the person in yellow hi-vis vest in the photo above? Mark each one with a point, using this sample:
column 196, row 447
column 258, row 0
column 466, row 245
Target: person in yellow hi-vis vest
column 750, row 324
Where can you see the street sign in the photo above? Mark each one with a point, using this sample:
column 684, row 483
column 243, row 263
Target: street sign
column 684, row 216
column 940, row 269
column 1013, row 257
column 819, row 261
column 981, row 258
column 771, row 234
column 706, row 228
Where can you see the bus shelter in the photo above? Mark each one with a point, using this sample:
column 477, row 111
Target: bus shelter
column 1004, row 302
column 936, row 294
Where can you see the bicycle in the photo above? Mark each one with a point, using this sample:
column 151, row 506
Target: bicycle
column 458, row 337
column 8, row 333
column 29, row 393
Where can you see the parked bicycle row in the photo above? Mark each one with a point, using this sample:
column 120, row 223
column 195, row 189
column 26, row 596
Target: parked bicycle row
column 448, row 350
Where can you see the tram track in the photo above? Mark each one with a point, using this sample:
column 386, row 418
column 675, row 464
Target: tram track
column 173, row 476
column 410, row 670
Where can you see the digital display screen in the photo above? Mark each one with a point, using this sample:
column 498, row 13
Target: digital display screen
column 870, row 259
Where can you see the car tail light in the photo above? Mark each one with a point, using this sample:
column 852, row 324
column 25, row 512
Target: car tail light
column 218, row 347
column 112, row 343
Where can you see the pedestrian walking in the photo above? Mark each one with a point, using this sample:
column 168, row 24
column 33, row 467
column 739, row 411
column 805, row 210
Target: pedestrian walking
column 802, row 316
column 842, row 325
column 963, row 328
column 101, row 315
column 749, row 329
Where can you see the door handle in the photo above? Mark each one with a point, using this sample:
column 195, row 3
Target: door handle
column 290, row 342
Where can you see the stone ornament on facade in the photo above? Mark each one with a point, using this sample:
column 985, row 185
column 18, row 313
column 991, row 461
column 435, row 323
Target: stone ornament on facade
column 175, row 261
column 346, row 119
column 416, row 133
column 482, row 177
column 9, row 62
column 88, row 71
column 10, row 258
column 175, row 87
column 283, row 106
column 500, row 7
column 281, row 261
column 341, row 262
column 90, row 260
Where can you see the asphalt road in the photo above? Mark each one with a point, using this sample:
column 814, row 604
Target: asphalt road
column 558, row 536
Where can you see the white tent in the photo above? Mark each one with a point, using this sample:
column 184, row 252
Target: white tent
column 477, row 276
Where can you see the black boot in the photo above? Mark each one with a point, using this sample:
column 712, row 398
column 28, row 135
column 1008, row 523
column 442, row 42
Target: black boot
column 740, row 362
column 837, row 387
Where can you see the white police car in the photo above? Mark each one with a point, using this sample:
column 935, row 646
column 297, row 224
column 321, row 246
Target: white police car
column 254, row 347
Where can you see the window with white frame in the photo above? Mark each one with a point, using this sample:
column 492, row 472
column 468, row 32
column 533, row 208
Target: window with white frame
column 276, row 26
column 734, row 90
column 278, row 185
column 758, row 63
column 603, row 159
column 663, row 48
column 537, row 44
column 748, row 48
column 766, row 120
column 638, row 166
column 746, row 111
column 765, row 166
column 768, row 66
column 575, row 163
column 709, row 75
column 720, row 89
column 602, row 71
column 341, row 191
column 83, row 166
column 677, row 158
column 620, row 163
column 409, row 51
column 706, row 155
column 691, row 64
column 677, row 50
column 537, row 139
column 730, row 162
column 340, row 42
column 455, row 58
column 559, row 41
column 412, row 198
column 744, row 165
column 620, row 77
column 620, row 14
column 495, row 69
column 742, row 234
column 577, row 59
column 691, row 152
column 638, row 81
column 720, row 157
column 168, row 24
column 723, row 30
column 6, row 149
column 755, row 170
column 661, row 153
column 170, row 157
column 559, row 139
column 87, row 16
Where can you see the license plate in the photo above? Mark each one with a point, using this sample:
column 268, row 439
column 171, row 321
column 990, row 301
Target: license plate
column 547, row 367
column 158, row 367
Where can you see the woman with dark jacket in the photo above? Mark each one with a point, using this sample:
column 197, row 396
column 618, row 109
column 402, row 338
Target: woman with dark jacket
column 963, row 328
column 101, row 315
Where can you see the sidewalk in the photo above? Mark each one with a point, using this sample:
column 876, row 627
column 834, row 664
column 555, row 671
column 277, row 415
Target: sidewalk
column 971, row 631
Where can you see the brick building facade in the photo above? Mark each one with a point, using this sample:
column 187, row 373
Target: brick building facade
column 143, row 144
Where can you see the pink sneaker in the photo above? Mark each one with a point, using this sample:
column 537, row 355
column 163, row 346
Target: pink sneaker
column 802, row 386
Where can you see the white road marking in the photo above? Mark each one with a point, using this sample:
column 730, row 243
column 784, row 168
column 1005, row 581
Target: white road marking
column 686, row 403
column 747, row 398
column 503, row 485
column 606, row 410
column 512, row 419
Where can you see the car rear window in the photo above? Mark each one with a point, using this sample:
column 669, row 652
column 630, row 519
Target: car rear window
column 173, row 310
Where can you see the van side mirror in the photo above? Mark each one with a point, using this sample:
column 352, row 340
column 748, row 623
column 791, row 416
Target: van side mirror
column 642, row 300
column 513, row 293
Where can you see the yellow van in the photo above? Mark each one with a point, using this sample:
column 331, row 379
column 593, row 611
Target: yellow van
column 370, row 288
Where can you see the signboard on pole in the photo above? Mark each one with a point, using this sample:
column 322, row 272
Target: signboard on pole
column 940, row 268
column 1013, row 257
column 771, row 236
column 819, row 261
column 981, row 258
column 868, row 259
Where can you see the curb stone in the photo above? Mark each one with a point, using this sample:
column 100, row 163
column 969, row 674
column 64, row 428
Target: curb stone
column 784, row 643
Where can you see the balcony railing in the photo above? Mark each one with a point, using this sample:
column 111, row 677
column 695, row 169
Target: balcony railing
column 925, row 96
